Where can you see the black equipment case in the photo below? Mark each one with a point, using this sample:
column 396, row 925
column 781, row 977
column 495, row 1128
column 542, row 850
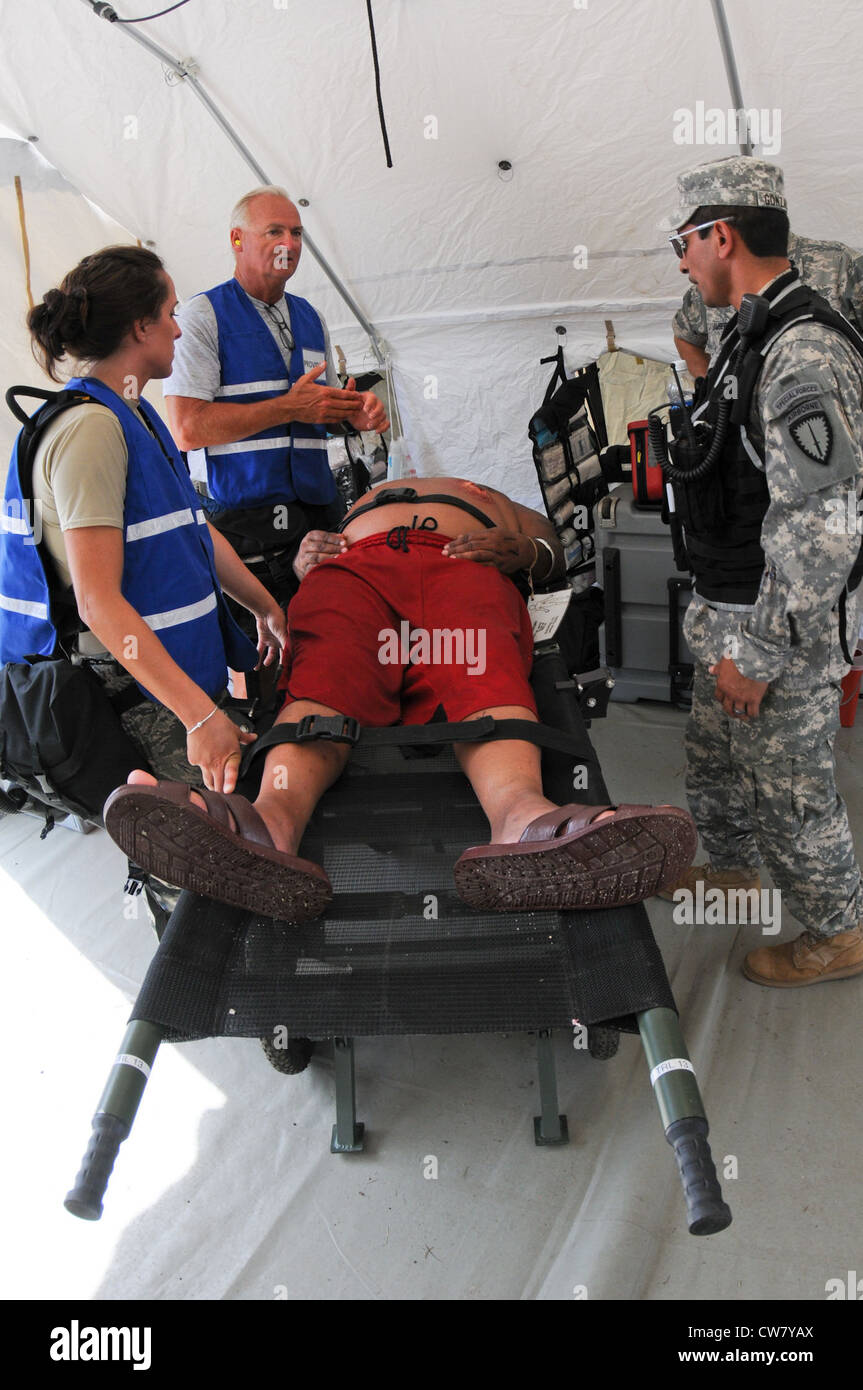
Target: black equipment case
column 641, row 640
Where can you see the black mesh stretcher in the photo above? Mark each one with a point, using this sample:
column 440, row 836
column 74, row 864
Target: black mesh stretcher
column 399, row 953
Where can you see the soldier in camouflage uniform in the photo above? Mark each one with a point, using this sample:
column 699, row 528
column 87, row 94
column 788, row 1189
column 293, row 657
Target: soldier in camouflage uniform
column 830, row 267
column 760, row 767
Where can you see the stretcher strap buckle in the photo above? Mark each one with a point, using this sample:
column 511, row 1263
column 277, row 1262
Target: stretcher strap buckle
column 339, row 728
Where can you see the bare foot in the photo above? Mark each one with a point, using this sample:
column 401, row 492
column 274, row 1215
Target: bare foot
column 280, row 828
column 521, row 816
column 518, row 819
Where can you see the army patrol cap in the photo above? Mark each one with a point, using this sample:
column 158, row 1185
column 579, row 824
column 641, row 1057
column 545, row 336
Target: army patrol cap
column 739, row 182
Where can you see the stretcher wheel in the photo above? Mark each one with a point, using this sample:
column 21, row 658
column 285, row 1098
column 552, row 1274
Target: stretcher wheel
column 12, row 800
column 602, row 1042
column 290, row 1060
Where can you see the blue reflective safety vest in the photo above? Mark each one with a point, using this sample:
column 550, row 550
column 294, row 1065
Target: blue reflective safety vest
column 287, row 462
column 169, row 574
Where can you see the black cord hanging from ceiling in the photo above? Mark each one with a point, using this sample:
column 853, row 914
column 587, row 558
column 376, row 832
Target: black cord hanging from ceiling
column 144, row 18
column 378, row 85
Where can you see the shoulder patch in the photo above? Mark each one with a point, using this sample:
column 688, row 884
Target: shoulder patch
column 811, row 431
column 795, row 395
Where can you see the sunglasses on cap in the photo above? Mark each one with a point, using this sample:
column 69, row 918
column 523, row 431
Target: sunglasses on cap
column 678, row 240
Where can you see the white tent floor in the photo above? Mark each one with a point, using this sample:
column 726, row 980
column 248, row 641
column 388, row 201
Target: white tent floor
column 226, row 1188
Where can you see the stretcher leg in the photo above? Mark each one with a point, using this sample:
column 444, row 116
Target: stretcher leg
column 347, row 1135
column 682, row 1113
column 549, row 1127
column 113, row 1118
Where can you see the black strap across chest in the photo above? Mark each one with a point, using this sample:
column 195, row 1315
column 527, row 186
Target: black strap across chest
column 410, row 494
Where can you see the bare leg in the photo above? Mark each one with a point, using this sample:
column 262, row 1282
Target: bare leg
column 295, row 777
column 506, row 776
column 569, row 865
column 504, row 773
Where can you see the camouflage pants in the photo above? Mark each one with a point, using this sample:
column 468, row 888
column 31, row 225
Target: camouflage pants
column 158, row 733
column 161, row 738
column 765, row 790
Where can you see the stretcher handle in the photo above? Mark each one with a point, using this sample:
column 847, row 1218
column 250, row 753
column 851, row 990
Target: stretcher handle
column 85, row 1198
column 705, row 1210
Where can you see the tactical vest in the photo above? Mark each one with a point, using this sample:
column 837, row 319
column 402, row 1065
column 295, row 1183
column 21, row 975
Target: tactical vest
column 286, row 462
column 722, row 513
column 168, row 575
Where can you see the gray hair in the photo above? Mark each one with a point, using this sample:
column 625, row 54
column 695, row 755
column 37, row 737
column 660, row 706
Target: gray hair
column 240, row 212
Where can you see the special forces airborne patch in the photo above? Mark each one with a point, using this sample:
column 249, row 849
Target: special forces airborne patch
column 812, row 431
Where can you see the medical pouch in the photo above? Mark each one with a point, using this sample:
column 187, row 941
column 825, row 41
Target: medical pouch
column 566, row 455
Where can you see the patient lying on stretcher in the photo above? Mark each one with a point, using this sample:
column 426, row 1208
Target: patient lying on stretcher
column 409, row 610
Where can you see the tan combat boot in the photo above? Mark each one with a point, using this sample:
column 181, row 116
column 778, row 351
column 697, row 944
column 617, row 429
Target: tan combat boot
column 723, row 879
column 808, row 960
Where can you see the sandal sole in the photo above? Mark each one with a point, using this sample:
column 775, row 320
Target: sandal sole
column 618, row 863
column 183, row 846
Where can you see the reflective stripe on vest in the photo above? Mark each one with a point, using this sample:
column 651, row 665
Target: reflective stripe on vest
column 168, row 563
column 285, row 462
column 26, row 628
column 19, row 605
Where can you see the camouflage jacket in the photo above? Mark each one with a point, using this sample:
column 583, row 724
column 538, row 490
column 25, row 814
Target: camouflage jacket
column 811, row 531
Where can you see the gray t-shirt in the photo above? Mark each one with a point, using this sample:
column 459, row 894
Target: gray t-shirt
column 197, row 372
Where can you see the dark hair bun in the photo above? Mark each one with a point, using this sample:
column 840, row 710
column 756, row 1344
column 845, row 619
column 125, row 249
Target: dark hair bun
column 54, row 301
column 89, row 315
column 45, row 323
column 78, row 296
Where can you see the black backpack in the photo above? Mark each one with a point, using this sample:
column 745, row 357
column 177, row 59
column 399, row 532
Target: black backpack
column 61, row 739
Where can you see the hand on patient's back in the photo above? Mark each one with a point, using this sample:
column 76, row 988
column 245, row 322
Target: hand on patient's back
column 315, row 404
column 506, row 550
column 315, row 547
column 216, row 749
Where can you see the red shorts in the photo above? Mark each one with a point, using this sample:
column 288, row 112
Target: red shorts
column 387, row 635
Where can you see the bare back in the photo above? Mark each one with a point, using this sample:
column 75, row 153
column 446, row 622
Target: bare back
column 448, row 521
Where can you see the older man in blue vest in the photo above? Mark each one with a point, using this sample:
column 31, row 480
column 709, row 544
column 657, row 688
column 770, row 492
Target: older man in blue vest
column 252, row 396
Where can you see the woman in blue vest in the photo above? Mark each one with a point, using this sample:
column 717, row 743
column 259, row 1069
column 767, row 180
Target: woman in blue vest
column 123, row 527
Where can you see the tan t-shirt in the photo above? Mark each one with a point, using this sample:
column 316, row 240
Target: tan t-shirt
column 79, row 479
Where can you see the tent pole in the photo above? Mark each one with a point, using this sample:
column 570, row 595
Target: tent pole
column 184, row 73
column 730, row 66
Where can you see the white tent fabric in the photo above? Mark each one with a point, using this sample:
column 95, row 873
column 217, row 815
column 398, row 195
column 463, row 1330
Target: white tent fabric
column 465, row 275
column 61, row 227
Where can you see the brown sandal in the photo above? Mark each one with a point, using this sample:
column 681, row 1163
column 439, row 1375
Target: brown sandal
column 225, row 852
column 566, row 859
